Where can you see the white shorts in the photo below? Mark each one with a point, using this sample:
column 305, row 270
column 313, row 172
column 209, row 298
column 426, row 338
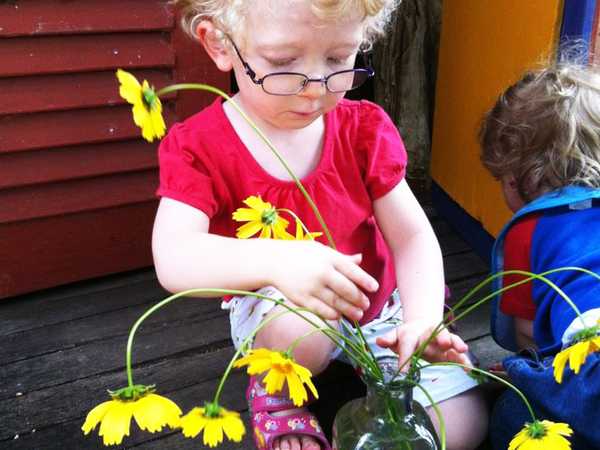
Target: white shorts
column 441, row 382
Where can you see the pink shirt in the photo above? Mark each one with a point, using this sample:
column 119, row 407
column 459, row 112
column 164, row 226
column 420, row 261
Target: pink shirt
column 204, row 164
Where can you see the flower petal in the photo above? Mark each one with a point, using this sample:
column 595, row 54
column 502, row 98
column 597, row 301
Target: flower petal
column 559, row 363
column 274, row 381
column 296, row 389
column 246, row 214
column 213, row 432
column 578, row 355
column 152, row 412
column 233, row 426
column 115, row 424
column 130, row 88
column 193, row 422
column 95, row 416
column 257, row 203
column 248, row 230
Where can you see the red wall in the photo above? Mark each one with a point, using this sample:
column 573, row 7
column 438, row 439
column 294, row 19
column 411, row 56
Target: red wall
column 77, row 181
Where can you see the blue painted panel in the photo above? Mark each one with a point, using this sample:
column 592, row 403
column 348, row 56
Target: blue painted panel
column 576, row 30
column 466, row 226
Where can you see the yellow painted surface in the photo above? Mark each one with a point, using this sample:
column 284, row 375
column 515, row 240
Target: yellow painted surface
column 485, row 46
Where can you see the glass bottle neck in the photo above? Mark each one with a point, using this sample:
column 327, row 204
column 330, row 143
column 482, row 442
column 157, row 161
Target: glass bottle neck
column 393, row 397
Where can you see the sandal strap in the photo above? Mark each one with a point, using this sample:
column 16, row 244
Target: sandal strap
column 267, row 428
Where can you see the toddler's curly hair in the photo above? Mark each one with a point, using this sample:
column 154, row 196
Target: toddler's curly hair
column 545, row 130
column 228, row 15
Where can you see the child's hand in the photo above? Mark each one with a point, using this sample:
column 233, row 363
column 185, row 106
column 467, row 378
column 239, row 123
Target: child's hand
column 327, row 282
column 405, row 339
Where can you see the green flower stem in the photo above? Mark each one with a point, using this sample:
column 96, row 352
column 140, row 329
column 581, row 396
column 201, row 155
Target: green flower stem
column 239, row 350
column 347, row 342
column 220, row 292
column 265, row 139
column 529, row 276
column 494, row 377
column 297, row 341
column 295, row 216
column 438, row 414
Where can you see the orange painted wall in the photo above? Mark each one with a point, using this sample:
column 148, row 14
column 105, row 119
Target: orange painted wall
column 485, row 46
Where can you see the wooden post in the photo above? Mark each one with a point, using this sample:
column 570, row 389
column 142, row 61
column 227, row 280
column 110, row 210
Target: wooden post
column 406, row 65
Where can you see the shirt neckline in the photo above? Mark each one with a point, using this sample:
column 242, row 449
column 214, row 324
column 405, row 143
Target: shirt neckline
column 249, row 158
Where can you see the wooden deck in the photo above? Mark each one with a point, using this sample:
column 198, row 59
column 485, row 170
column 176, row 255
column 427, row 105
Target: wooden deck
column 62, row 348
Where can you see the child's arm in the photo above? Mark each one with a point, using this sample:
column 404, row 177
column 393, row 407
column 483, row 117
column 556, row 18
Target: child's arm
column 308, row 273
column 419, row 276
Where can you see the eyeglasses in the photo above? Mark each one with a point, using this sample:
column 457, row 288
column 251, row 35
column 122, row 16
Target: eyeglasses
column 292, row 83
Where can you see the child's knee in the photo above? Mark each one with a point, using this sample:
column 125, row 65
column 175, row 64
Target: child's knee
column 465, row 419
column 313, row 351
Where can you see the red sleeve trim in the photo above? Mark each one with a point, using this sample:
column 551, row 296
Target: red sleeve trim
column 518, row 301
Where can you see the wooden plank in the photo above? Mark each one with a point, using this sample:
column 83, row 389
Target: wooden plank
column 488, row 351
column 64, row 304
column 47, row 252
column 55, row 92
column 154, row 343
column 75, row 162
column 61, row 336
column 193, row 65
column 44, row 17
column 63, row 128
column 449, row 241
column 84, row 53
column 463, row 265
column 38, row 201
column 57, row 414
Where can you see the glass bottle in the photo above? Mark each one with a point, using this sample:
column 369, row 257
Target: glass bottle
column 386, row 419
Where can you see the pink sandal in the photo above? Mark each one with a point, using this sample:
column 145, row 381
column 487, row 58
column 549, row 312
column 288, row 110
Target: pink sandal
column 267, row 428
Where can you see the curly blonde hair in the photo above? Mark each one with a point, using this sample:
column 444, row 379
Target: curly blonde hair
column 228, row 15
column 545, row 130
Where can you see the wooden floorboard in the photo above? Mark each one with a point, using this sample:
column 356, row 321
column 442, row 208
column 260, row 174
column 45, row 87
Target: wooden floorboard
column 62, row 348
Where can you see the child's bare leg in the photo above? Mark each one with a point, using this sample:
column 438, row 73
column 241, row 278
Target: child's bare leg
column 313, row 352
column 466, row 419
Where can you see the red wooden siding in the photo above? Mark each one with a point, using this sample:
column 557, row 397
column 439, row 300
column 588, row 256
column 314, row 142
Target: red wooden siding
column 77, row 181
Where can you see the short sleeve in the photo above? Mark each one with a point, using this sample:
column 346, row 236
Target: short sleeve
column 518, row 301
column 184, row 173
column 385, row 155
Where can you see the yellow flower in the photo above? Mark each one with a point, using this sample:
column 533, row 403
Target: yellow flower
column 542, row 435
column 576, row 355
column 281, row 368
column 261, row 216
column 214, row 420
column 152, row 412
column 147, row 108
column 300, row 236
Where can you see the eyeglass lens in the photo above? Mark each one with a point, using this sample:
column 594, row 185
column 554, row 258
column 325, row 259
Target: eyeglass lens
column 290, row 83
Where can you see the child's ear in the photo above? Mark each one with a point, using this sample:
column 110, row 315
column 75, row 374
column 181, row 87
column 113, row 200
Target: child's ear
column 213, row 41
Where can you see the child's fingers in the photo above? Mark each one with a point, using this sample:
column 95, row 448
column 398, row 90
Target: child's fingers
column 355, row 274
column 321, row 308
column 356, row 258
column 460, row 358
column 444, row 339
column 345, row 289
column 340, row 304
column 387, row 340
column 406, row 345
column 458, row 344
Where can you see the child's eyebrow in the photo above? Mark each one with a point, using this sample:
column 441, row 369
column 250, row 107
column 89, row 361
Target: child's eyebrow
column 298, row 46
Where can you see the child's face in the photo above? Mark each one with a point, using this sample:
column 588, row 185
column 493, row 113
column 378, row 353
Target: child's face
column 292, row 39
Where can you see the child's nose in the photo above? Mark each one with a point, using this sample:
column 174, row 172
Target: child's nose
column 315, row 87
